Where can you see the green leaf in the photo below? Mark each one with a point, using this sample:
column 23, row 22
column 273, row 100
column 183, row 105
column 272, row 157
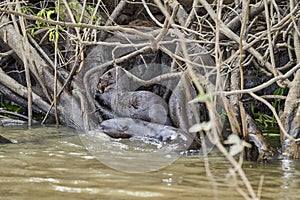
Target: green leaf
column 26, row 9
column 32, row 32
column 77, row 18
column 56, row 35
column 51, row 39
column 49, row 13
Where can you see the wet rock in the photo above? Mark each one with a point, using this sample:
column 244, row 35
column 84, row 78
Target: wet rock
column 4, row 140
column 182, row 113
column 261, row 149
column 291, row 119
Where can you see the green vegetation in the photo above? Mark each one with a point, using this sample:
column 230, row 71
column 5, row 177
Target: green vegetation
column 11, row 107
column 266, row 122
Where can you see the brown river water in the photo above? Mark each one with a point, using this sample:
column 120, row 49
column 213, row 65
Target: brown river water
column 51, row 163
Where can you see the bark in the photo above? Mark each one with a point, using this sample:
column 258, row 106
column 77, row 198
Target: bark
column 290, row 118
column 40, row 70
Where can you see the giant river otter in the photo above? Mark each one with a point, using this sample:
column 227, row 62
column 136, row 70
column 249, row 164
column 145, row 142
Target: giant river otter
column 129, row 128
column 132, row 111
column 123, row 102
column 119, row 96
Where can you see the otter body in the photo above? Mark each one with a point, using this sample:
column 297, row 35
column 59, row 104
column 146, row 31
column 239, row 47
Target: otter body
column 123, row 102
column 131, row 128
column 139, row 114
column 142, row 105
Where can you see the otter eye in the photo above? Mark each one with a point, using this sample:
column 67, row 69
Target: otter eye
column 135, row 104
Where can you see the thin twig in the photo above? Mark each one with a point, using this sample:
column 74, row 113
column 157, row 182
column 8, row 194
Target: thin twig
column 115, row 14
column 82, row 25
column 270, row 38
column 22, row 91
column 55, row 69
column 8, row 53
column 150, row 14
column 274, row 113
column 262, row 86
column 90, row 72
column 26, row 51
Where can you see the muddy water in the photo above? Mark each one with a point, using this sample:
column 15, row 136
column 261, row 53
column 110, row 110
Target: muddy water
column 50, row 163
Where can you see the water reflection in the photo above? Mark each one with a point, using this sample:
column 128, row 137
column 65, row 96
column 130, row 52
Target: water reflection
column 290, row 176
column 135, row 156
column 50, row 163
